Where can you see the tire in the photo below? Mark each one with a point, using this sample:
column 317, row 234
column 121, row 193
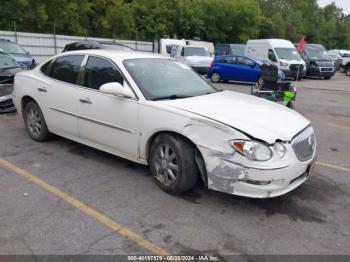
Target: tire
column 172, row 163
column 290, row 105
column 259, row 82
column 35, row 122
column 328, row 77
column 347, row 71
column 215, row 77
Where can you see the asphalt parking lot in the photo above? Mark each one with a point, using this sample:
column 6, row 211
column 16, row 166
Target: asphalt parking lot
column 64, row 198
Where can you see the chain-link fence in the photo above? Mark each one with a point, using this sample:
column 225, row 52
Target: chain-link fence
column 43, row 46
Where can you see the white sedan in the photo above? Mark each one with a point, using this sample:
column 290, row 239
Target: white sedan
column 155, row 111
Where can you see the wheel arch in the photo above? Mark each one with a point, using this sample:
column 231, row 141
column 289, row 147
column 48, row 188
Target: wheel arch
column 198, row 155
column 25, row 100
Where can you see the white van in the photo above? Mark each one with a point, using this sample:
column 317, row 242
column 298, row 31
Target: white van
column 280, row 52
column 164, row 46
column 197, row 57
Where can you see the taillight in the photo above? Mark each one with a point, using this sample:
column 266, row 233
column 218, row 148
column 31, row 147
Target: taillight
column 212, row 64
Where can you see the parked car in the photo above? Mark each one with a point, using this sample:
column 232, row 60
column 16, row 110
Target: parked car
column 280, row 52
column 337, row 60
column 229, row 49
column 155, row 111
column 164, row 46
column 21, row 56
column 196, row 57
column 208, row 45
column 236, row 68
column 345, row 54
column 8, row 68
column 86, row 45
column 318, row 62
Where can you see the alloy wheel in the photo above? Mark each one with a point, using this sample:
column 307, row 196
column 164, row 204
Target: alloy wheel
column 166, row 164
column 34, row 122
column 215, row 77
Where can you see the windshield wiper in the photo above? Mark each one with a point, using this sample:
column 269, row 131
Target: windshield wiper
column 171, row 97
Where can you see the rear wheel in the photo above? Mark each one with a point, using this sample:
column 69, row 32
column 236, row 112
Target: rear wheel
column 347, row 71
column 173, row 165
column 215, row 77
column 290, row 105
column 35, row 122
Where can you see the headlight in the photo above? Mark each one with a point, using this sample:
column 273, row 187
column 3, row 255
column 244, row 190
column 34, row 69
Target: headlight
column 283, row 63
column 279, row 149
column 255, row 151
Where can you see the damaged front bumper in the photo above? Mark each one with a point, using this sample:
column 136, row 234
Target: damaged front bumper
column 235, row 178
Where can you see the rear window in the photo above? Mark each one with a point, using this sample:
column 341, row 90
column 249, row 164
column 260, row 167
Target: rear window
column 45, row 68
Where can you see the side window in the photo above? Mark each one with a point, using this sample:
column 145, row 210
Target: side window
column 245, row 61
column 271, row 56
column 229, row 60
column 66, row 68
column 99, row 71
column 182, row 51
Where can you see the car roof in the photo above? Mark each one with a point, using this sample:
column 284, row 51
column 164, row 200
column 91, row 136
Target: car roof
column 114, row 54
column 251, row 58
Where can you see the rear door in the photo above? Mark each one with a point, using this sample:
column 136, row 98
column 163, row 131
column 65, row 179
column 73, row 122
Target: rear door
column 107, row 120
column 58, row 91
column 227, row 68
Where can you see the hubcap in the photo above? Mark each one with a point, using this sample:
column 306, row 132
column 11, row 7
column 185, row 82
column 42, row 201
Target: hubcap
column 165, row 163
column 215, row 77
column 34, row 122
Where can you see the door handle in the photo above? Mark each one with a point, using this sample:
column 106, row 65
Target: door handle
column 85, row 101
column 42, row 89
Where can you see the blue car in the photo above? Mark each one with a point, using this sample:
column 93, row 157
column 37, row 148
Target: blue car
column 22, row 57
column 235, row 68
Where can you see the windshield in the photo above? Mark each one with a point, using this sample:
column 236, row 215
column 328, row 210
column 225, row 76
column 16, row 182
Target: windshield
column 7, row 61
column 317, row 53
column 196, row 51
column 287, row 53
column 162, row 78
column 11, row 48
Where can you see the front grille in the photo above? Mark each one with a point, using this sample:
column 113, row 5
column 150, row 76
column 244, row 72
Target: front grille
column 329, row 69
column 295, row 67
column 304, row 144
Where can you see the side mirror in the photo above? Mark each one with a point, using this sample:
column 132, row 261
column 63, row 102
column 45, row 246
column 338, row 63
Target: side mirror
column 115, row 88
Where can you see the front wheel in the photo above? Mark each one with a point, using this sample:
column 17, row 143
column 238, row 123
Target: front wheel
column 172, row 164
column 35, row 122
column 328, row 77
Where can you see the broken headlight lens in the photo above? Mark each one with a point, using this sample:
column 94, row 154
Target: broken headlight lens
column 279, row 149
column 255, row 151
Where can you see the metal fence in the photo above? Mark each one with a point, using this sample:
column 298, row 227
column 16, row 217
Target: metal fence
column 43, row 46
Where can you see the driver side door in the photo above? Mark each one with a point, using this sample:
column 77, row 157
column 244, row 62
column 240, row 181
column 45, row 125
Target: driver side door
column 105, row 120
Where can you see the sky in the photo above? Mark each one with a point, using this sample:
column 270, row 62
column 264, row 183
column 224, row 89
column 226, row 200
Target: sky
column 345, row 4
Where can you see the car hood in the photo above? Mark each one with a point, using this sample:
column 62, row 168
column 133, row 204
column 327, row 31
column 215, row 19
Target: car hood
column 7, row 74
column 22, row 58
column 257, row 117
column 322, row 62
column 198, row 60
